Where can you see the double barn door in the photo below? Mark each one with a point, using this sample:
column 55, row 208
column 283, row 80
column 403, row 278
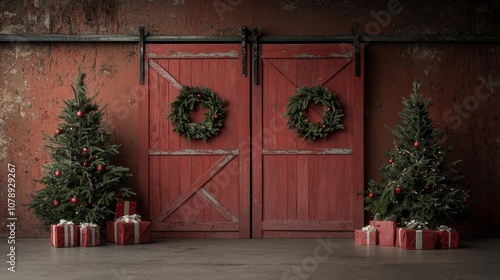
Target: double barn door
column 256, row 178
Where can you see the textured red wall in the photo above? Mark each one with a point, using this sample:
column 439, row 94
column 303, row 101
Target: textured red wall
column 37, row 77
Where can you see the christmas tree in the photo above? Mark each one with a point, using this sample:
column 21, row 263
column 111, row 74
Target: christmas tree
column 81, row 183
column 418, row 183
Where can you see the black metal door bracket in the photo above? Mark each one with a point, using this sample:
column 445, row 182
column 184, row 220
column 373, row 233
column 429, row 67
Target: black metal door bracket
column 243, row 34
column 357, row 59
column 143, row 31
column 255, row 34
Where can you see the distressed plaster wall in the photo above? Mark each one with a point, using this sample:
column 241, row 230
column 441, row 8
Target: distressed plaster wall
column 463, row 79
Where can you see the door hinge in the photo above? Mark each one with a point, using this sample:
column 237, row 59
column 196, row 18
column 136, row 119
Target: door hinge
column 143, row 31
column 357, row 59
column 255, row 34
column 243, row 34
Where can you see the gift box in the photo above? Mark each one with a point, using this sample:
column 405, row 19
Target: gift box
column 89, row 235
column 365, row 236
column 447, row 238
column 123, row 208
column 386, row 231
column 128, row 230
column 64, row 234
column 415, row 239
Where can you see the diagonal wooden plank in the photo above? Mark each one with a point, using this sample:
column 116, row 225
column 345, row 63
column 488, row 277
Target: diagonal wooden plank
column 279, row 71
column 164, row 73
column 214, row 169
column 210, row 199
column 336, row 70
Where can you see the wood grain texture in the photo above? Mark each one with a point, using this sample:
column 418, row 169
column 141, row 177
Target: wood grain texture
column 306, row 189
column 196, row 189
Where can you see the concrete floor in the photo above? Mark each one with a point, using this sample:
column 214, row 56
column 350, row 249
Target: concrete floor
column 251, row 259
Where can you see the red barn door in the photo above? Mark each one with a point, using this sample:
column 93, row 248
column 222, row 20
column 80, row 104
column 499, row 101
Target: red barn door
column 256, row 178
column 302, row 189
column 196, row 189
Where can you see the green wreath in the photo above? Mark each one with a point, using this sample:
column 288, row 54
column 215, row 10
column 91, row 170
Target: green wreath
column 332, row 115
column 193, row 97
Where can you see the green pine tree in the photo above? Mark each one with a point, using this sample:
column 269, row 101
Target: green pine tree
column 81, row 183
column 418, row 183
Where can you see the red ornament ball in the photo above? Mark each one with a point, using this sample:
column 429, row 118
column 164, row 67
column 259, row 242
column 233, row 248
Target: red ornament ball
column 416, row 144
column 79, row 114
column 58, row 132
column 85, row 151
column 56, row 203
column 85, row 164
column 323, row 126
column 328, row 109
column 371, row 195
column 58, row 173
column 391, row 160
column 426, row 187
column 465, row 200
column 199, row 95
column 216, row 117
column 74, row 200
column 100, row 168
column 397, row 190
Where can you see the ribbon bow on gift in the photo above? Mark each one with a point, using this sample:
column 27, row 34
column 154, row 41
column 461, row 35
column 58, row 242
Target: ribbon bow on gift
column 63, row 222
column 445, row 228
column 414, row 224
column 129, row 218
column 368, row 228
column 88, row 225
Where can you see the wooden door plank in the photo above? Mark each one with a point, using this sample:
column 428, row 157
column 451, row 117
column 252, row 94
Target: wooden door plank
column 313, row 175
column 324, row 169
column 188, row 192
column 308, row 225
column 143, row 142
column 243, row 169
column 302, row 188
column 257, row 158
column 186, row 51
column 304, row 51
column 210, row 199
column 357, row 88
column 195, row 226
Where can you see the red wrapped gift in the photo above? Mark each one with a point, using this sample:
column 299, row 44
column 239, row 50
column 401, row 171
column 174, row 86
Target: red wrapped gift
column 447, row 238
column 129, row 230
column 125, row 208
column 416, row 239
column 89, row 235
column 64, row 234
column 386, row 231
column 365, row 236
